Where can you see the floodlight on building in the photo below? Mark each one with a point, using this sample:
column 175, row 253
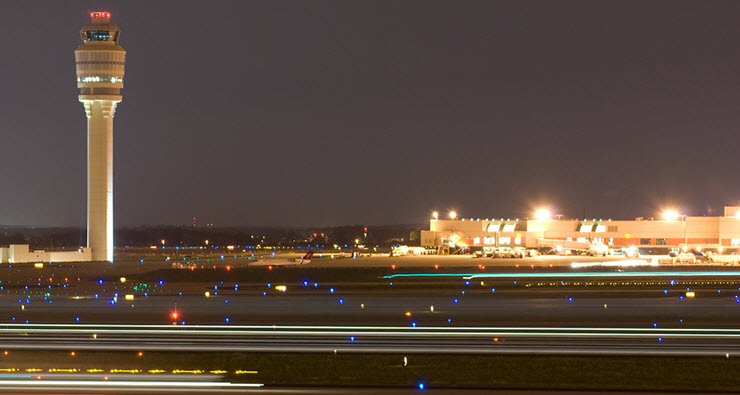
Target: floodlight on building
column 453, row 215
column 670, row 215
column 542, row 214
column 435, row 215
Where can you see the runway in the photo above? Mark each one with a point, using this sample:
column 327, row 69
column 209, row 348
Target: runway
column 377, row 339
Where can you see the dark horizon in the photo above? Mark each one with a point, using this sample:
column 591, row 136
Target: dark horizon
column 310, row 114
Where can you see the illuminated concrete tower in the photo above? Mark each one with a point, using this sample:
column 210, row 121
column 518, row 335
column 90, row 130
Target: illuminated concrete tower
column 100, row 61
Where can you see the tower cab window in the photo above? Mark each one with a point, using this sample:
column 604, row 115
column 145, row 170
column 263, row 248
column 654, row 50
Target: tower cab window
column 97, row 36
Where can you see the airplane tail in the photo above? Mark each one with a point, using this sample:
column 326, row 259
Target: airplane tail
column 308, row 256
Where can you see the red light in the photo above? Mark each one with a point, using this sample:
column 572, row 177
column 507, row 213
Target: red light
column 100, row 14
column 228, row 268
column 174, row 315
column 436, row 266
column 269, row 267
column 393, row 267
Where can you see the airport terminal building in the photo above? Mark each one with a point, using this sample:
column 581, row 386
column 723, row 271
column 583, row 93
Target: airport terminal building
column 721, row 233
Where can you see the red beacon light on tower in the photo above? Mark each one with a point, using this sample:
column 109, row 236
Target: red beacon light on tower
column 100, row 14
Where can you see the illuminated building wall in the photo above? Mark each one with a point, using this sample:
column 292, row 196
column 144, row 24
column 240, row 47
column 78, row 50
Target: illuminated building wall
column 709, row 232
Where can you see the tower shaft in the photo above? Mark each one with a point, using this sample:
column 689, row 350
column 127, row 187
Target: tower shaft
column 100, row 176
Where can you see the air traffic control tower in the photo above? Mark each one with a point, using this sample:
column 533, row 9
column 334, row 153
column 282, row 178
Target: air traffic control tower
column 100, row 62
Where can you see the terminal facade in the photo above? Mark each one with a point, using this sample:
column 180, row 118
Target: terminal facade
column 719, row 233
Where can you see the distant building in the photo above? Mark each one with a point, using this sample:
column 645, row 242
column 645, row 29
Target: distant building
column 721, row 232
column 21, row 253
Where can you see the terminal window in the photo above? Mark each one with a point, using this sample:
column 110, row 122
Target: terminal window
column 645, row 241
column 661, row 242
column 735, row 242
column 517, row 240
column 504, row 240
column 613, row 229
column 600, row 228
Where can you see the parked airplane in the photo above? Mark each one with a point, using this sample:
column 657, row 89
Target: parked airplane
column 283, row 261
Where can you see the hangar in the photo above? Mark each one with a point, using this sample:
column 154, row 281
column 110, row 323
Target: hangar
column 673, row 232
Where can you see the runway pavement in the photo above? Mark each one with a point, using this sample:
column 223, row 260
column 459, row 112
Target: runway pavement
column 376, row 339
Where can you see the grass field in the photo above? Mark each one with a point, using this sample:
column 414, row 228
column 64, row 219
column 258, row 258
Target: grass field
column 435, row 371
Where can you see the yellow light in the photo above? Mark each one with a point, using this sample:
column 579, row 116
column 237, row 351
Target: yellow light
column 208, row 294
column 123, row 279
column 281, row 288
column 542, row 214
column 162, row 241
column 129, row 297
column 670, row 215
column 690, row 294
column 38, row 265
column 245, row 372
column 453, row 215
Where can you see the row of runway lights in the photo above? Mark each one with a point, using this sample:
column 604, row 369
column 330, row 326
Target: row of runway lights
column 306, row 284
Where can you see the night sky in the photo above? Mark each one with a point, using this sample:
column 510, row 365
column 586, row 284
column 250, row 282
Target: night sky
column 296, row 113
